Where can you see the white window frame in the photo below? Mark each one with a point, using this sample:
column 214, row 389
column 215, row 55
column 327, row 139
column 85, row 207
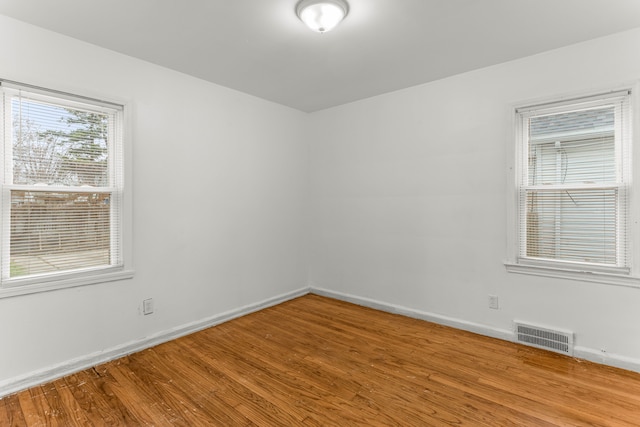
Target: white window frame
column 516, row 146
column 47, row 282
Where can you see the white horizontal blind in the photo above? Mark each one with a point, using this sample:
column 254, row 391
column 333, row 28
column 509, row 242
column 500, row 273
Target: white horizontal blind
column 575, row 167
column 62, row 186
column 572, row 225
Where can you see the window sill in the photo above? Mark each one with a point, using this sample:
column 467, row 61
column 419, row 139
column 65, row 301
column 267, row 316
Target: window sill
column 580, row 275
column 31, row 287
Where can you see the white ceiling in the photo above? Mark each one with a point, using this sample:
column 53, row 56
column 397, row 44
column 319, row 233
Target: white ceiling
column 261, row 48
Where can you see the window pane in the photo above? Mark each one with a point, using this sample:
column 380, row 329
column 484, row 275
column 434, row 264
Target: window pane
column 571, row 148
column 572, row 124
column 572, row 225
column 574, row 186
column 55, row 231
column 56, row 145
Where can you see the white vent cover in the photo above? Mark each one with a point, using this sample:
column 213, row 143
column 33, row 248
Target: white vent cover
column 548, row 339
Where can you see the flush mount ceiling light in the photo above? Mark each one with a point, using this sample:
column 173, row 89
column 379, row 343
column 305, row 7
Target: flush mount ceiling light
column 322, row 15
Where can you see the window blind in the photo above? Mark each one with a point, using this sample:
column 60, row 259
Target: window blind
column 63, row 183
column 575, row 169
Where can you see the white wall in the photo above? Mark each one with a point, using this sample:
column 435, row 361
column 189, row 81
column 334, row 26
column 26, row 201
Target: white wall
column 409, row 202
column 220, row 190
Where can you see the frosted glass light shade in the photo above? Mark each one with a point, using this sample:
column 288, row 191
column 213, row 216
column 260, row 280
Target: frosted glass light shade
column 322, row 15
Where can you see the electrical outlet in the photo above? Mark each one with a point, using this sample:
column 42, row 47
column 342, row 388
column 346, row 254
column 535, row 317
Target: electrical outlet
column 493, row 302
column 147, row 306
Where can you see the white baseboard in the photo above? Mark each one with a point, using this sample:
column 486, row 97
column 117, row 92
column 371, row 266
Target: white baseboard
column 13, row 385
column 609, row 359
column 584, row 353
column 51, row 373
column 464, row 325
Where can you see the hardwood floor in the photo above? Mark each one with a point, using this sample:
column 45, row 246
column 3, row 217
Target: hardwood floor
column 314, row 361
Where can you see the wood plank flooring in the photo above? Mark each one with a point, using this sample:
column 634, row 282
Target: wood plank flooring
column 315, row 361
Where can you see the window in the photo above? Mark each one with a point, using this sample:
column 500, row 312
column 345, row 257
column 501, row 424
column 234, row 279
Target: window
column 62, row 191
column 572, row 178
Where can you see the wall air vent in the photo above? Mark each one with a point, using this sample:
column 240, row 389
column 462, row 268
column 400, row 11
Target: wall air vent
column 547, row 339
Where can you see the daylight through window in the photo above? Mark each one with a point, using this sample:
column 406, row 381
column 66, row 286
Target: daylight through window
column 62, row 187
column 574, row 183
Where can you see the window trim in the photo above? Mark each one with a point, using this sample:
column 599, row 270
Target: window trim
column 560, row 269
column 49, row 282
